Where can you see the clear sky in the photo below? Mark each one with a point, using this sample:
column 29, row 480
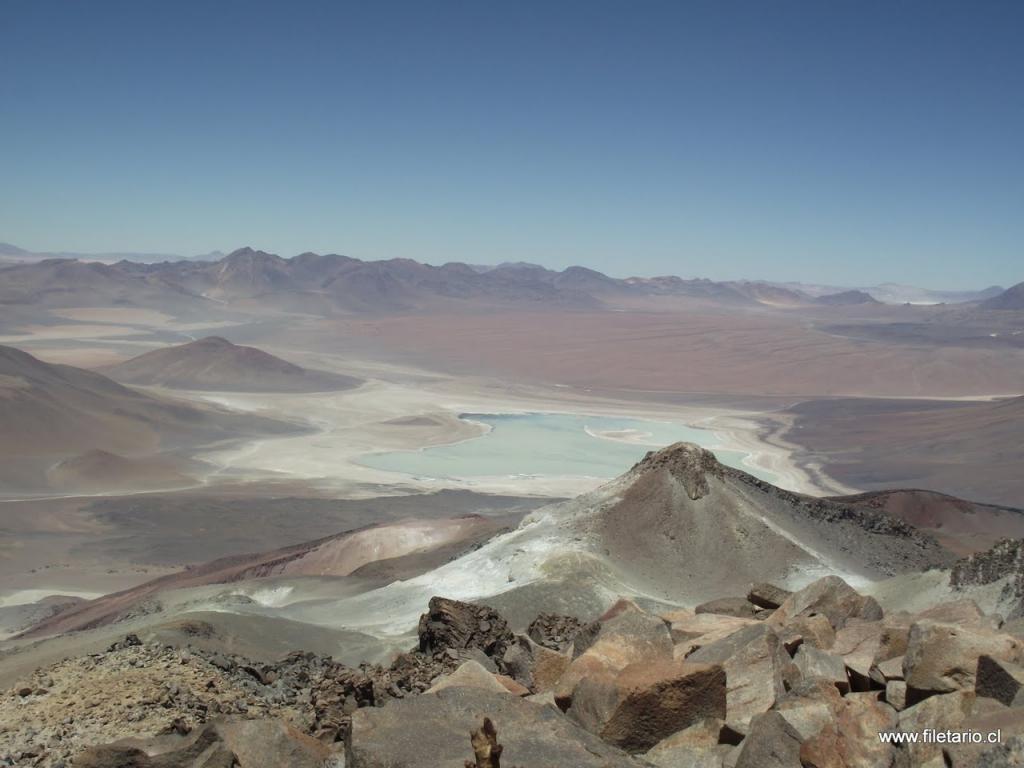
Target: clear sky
column 842, row 142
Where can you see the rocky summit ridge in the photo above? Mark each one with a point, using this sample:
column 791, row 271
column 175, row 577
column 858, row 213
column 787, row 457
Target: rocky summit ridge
column 769, row 679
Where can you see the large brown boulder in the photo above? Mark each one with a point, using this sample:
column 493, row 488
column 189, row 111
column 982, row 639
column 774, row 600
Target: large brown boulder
column 433, row 730
column 629, row 636
column 851, row 739
column 944, row 657
column 692, row 631
column 963, row 612
column 831, row 597
column 939, row 713
column 1007, row 723
column 754, row 660
column 810, row 630
column 647, row 702
column 457, row 626
column 469, row 675
column 863, row 644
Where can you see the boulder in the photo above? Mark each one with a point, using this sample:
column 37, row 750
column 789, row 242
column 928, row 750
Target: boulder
column 1000, row 680
column 1008, row 723
column 771, row 743
column 469, row 675
column 451, row 624
column 810, row 706
column 688, row 755
column 732, row 606
column 891, row 669
column 831, row 597
column 754, row 660
column 705, row 627
column 433, row 731
column 629, row 636
column 942, row 712
column 851, row 739
column 548, row 668
column 896, row 694
column 811, row 630
column 944, row 657
column 963, row 612
column 647, row 702
column 767, row 595
column 813, row 663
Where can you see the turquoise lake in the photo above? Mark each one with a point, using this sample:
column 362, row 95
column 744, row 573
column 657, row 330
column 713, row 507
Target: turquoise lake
column 552, row 445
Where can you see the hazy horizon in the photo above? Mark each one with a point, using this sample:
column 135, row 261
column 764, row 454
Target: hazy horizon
column 796, row 142
column 221, row 252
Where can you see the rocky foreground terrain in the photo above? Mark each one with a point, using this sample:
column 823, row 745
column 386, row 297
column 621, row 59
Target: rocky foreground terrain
column 770, row 679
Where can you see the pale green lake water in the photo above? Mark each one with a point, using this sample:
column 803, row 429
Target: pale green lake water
column 550, row 445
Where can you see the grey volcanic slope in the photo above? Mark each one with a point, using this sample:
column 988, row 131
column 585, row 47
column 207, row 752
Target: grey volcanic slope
column 678, row 528
column 58, row 411
column 1011, row 298
column 214, row 363
column 685, row 521
column 970, row 450
column 427, row 542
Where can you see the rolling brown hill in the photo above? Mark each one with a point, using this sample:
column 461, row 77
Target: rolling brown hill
column 52, row 412
column 961, row 526
column 214, row 363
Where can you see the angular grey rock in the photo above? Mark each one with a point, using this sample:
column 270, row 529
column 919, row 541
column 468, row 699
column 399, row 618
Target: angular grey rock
column 944, row 657
column 754, row 660
column 432, row 731
column 814, row 663
column 767, row 595
column 831, row 597
column 896, row 694
column 771, row 743
column 1000, row 680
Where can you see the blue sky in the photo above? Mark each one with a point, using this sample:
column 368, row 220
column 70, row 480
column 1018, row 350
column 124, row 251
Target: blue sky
column 842, row 142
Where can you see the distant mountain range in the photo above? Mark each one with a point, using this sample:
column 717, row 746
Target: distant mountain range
column 894, row 293
column 314, row 282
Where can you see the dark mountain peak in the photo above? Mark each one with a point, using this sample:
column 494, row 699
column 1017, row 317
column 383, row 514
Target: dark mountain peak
column 686, row 462
column 248, row 254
